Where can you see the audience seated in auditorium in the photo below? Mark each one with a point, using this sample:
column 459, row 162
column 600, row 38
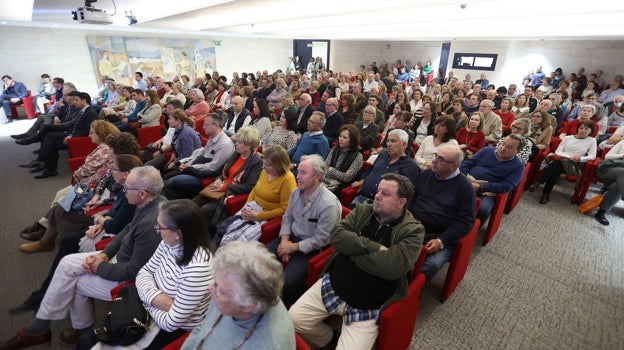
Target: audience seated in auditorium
column 82, row 276
column 572, row 152
column 12, row 93
column 444, row 202
column 494, row 170
column 492, row 123
column 185, row 179
column 267, row 200
column 312, row 212
column 376, row 246
column 391, row 160
column 311, row 142
column 247, row 306
column 471, row 137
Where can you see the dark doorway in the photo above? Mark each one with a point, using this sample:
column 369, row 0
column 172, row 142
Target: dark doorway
column 444, row 57
column 311, row 48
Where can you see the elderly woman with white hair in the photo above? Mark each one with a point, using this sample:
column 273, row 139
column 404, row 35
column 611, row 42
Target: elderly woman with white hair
column 198, row 109
column 275, row 97
column 246, row 311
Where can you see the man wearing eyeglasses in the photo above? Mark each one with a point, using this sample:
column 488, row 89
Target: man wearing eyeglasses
column 495, row 170
column 334, row 122
column 444, row 202
column 377, row 245
column 492, row 123
column 313, row 141
column 82, row 276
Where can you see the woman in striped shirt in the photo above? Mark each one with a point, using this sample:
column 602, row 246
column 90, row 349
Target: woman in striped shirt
column 173, row 284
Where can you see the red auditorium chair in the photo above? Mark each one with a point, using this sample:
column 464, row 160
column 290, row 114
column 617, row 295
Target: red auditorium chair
column 28, row 103
column 349, row 193
column 459, row 261
column 80, row 146
column 514, row 198
column 495, row 217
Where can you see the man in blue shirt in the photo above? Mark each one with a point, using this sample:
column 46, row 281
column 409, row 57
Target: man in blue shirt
column 313, row 141
column 12, row 92
column 495, row 170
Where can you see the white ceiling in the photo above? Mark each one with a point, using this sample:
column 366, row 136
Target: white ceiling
column 343, row 19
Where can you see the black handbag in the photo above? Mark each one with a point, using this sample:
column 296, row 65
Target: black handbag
column 127, row 321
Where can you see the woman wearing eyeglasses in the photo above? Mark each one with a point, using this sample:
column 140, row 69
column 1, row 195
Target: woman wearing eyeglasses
column 173, row 284
column 246, row 311
column 522, row 126
column 79, row 237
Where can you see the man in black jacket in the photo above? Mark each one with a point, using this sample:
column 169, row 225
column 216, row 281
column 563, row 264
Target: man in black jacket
column 54, row 141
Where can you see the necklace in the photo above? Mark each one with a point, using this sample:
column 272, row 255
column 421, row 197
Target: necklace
column 470, row 136
column 240, row 343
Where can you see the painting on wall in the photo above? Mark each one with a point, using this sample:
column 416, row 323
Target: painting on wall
column 120, row 57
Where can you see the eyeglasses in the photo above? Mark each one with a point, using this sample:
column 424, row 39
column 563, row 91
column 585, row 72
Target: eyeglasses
column 515, row 127
column 159, row 228
column 441, row 159
column 126, row 189
column 113, row 169
column 313, row 121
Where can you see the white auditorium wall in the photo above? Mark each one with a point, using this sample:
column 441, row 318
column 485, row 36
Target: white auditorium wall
column 28, row 52
column 515, row 58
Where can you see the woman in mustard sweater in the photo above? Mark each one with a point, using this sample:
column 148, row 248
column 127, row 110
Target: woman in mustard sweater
column 267, row 200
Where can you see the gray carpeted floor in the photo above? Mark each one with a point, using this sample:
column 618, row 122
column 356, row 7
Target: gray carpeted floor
column 550, row 279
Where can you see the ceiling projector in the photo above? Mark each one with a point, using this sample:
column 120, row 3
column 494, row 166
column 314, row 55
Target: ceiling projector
column 91, row 15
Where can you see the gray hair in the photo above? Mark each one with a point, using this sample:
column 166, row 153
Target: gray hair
column 307, row 97
column 458, row 154
column 322, row 115
column 527, row 125
column 521, row 139
column 219, row 117
column 488, row 102
column 318, row 164
column 402, row 135
column 198, row 92
column 257, row 271
column 148, row 179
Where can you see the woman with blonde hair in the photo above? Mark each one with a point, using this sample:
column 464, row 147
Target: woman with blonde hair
column 541, row 130
column 267, row 200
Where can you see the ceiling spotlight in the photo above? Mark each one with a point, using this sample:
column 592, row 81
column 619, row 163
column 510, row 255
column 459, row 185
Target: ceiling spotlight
column 131, row 18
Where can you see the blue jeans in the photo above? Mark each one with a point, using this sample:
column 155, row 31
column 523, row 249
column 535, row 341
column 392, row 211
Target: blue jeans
column 359, row 199
column 487, row 203
column 434, row 262
column 182, row 186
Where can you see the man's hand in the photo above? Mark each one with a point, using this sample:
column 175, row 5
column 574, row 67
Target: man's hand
column 183, row 166
column 476, row 186
column 15, row 100
column 382, row 248
column 162, row 302
column 65, row 139
column 433, row 246
column 94, row 230
column 357, row 183
column 93, row 261
column 287, row 247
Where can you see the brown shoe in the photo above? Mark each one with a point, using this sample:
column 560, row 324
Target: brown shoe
column 33, row 236
column 68, row 337
column 23, row 340
column 35, row 247
column 34, row 228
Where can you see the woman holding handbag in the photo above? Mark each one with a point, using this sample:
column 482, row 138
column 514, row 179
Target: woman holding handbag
column 240, row 174
column 573, row 151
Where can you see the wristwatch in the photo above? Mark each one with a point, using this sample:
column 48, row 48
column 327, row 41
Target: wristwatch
column 441, row 244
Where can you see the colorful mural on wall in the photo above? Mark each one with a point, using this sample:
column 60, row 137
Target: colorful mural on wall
column 120, row 57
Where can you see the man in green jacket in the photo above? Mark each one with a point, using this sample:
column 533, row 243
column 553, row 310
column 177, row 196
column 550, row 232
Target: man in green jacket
column 377, row 245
